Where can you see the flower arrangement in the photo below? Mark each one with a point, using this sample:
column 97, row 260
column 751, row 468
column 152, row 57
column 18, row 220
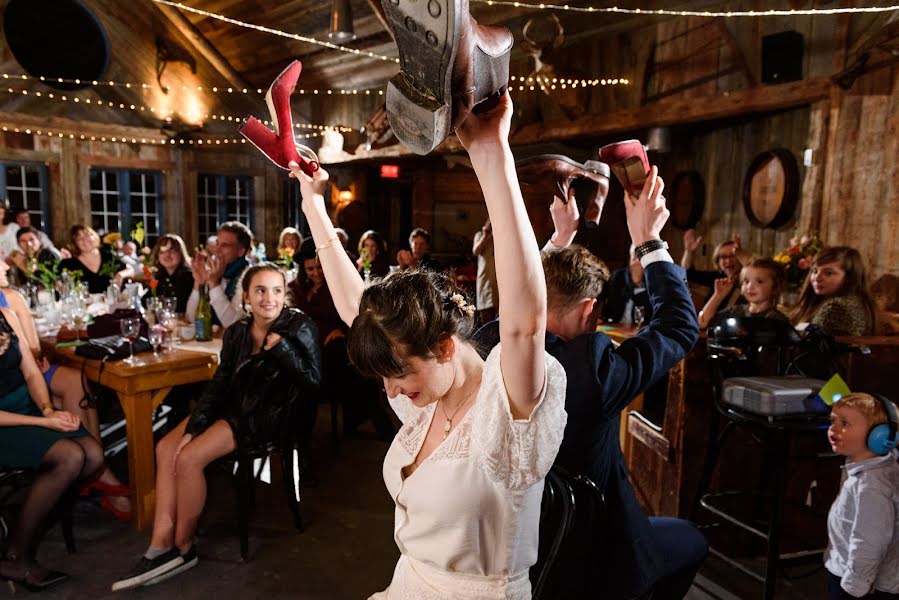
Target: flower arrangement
column 285, row 258
column 797, row 259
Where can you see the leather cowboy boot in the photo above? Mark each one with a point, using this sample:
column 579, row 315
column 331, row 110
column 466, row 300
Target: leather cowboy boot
column 279, row 145
column 449, row 66
column 554, row 174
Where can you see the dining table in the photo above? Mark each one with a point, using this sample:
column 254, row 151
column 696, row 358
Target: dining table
column 141, row 387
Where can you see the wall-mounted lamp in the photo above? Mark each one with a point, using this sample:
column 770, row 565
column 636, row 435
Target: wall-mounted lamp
column 345, row 195
column 341, row 30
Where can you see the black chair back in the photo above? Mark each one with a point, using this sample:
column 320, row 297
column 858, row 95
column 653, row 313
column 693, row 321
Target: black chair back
column 572, row 517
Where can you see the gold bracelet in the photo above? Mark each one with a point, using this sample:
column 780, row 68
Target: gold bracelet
column 326, row 245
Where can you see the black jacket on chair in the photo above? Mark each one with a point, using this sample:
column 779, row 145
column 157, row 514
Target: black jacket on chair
column 252, row 392
column 602, row 381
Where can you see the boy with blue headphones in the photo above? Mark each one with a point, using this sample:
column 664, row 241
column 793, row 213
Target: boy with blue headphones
column 862, row 557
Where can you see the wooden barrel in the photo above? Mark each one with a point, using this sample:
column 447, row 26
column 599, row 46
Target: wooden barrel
column 771, row 189
column 687, row 200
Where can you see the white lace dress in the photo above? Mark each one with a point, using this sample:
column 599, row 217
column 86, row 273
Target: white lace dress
column 467, row 519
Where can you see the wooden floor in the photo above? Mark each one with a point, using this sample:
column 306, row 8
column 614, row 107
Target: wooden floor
column 346, row 552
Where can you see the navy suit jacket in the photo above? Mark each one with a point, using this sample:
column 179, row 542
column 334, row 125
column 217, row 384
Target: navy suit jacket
column 602, row 381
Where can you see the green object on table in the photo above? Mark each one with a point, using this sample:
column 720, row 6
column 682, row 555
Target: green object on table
column 71, row 344
column 834, row 390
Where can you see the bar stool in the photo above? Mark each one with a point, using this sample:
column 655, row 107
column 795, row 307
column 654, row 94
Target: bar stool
column 741, row 347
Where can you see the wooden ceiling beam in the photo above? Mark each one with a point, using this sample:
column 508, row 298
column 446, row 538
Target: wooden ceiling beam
column 183, row 25
column 77, row 127
column 672, row 111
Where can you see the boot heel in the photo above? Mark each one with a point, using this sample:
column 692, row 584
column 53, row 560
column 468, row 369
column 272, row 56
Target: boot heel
column 418, row 119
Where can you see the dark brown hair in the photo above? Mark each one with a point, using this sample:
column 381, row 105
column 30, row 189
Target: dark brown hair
column 76, row 229
column 572, row 274
column 247, row 278
column 778, row 274
column 855, row 283
column 406, row 314
column 172, row 239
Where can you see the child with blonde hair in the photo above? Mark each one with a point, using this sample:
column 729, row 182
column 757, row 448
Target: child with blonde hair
column 862, row 557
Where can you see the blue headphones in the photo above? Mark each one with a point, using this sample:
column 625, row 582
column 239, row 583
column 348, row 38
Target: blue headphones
column 884, row 437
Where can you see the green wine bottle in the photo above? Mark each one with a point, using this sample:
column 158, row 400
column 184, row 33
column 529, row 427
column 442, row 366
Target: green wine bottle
column 203, row 318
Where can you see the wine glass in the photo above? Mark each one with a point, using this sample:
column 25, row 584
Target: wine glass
column 639, row 316
column 157, row 333
column 170, row 303
column 169, row 322
column 78, row 313
column 130, row 331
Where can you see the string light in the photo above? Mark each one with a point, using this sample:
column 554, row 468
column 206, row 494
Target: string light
column 293, row 36
column 552, row 83
column 690, row 13
column 163, row 113
column 199, row 88
column 156, row 141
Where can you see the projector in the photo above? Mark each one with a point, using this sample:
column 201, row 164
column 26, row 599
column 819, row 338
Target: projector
column 775, row 396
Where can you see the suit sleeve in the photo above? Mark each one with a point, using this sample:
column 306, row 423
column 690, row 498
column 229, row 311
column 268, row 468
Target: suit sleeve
column 640, row 361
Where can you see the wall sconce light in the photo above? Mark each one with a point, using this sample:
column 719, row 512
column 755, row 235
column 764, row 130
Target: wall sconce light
column 345, row 195
column 341, row 30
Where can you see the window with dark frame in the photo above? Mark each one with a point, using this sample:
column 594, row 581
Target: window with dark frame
column 293, row 213
column 26, row 185
column 120, row 199
column 223, row 198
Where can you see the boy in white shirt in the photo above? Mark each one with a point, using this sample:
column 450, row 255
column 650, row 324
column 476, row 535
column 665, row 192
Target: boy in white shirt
column 862, row 557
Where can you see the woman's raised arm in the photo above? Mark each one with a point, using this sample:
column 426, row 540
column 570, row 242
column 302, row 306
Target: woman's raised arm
column 519, row 273
column 343, row 279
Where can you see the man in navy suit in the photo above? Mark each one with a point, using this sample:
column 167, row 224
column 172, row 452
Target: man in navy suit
column 635, row 554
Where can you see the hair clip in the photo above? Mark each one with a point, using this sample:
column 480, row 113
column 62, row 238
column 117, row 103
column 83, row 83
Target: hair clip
column 462, row 305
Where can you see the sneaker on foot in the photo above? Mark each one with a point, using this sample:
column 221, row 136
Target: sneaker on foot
column 150, row 568
column 190, row 561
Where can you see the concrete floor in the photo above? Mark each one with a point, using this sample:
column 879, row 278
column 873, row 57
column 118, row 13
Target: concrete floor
column 346, row 551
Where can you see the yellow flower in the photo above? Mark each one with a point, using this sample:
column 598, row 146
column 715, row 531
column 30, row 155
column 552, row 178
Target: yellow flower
column 112, row 237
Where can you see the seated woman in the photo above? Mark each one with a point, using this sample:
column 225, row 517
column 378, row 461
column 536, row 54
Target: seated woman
column 835, row 294
column 373, row 248
column 268, row 361
column 173, row 273
column 290, row 241
column 761, row 282
column 466, row 469
column 97, row 266
column 66, row 393
column 357, row 395
column 35, row 436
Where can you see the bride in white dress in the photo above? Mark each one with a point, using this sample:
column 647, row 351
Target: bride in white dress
column 466, row 469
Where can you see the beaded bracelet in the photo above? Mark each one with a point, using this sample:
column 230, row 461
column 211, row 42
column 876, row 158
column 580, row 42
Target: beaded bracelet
column 650, row 246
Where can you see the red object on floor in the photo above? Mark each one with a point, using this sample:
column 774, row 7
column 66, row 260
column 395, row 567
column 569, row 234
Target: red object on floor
column 121, row 515
column 279, row 145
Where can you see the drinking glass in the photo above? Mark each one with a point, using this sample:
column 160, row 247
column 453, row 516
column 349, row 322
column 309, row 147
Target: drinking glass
column 169, row 322
column 639, row 316
column 157, row 333
column 170, row 304
column 78, row 313
column 130, row 331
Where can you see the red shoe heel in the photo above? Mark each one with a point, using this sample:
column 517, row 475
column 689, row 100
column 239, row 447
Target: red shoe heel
column 121, row 515
column 279, row 145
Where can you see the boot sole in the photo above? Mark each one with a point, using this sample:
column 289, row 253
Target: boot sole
column 419, row 97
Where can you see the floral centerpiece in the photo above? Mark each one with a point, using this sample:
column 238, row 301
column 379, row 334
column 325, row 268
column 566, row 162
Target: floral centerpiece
column 138, row 235
column 285, row 258
column 797, row 259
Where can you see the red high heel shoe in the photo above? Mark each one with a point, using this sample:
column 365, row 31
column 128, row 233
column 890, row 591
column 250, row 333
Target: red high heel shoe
column 107, row 489
column 628, row 162
column 279, row 145
column 121, row 515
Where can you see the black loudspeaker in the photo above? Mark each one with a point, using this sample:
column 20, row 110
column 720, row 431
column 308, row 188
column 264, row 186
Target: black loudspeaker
column 57, row 39
column 782, row 57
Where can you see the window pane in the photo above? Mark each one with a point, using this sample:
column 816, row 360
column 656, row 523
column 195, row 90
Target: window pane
column 32, row 177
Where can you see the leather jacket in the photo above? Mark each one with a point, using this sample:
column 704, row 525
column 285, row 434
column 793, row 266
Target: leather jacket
column 254, row 393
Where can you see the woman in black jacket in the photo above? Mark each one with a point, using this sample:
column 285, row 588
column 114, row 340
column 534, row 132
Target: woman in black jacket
column 268, row 361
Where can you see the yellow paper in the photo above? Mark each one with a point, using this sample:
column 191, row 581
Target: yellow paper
column 834, row 390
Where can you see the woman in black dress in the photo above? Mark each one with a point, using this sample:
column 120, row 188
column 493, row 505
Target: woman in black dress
column 97, row 266
column 35, row 436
